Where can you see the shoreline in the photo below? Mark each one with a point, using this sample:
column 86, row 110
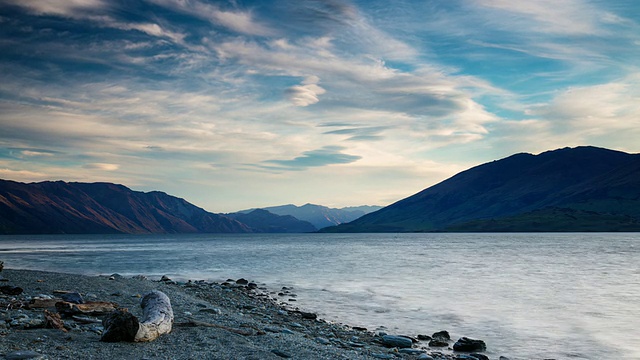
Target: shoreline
column 244, row 321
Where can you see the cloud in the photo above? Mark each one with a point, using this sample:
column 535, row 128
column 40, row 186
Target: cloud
column 305, row 94
column 22, row 175
column 101, row 166
column 238, row 21
column 569, row 17
column 69, row 8
column 328, row 155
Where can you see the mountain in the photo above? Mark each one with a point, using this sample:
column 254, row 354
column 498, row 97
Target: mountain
column 320, row 216
column 61, row 208
column 570, row 189
column 263, row 221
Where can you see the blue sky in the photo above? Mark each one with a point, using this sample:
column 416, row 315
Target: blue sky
column 238, row 104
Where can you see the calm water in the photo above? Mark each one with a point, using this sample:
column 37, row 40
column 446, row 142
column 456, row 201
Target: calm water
column 529, row 296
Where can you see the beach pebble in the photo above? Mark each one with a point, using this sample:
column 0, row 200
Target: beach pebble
column 469, row 345
column 479, row 356
column 383, row 356
column 411, row 351
column 23, row 354
column 11, row 290
column 441, row 335
column 323, row 341
column 425, row 356
column 73, row 297
column 396, row 341
column 281, row 354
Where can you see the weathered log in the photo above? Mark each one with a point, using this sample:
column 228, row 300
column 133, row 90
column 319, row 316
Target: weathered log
column 157, row 319
column 157, row 316
column 37, row 303
column 90, row 308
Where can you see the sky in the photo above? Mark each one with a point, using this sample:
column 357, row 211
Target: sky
column 240, row 104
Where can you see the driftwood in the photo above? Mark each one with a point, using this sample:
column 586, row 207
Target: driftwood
column 120, row 325
column 90, row 308
column 53, row 321
column 37, row 303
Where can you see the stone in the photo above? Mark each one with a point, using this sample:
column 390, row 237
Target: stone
column 322, row 341
column 11, row 290
column 242, row 281
column 469, row 345
column 411, row 351
column 438, row 343
column 165, row 278
column 252, row 286
column 383, row 356
column 422, row 337
column 424, row 357
column 72, row 297
column 479, row 356
column 441, row 335
column 23, row 355
column 281, row 354
column 396, row 341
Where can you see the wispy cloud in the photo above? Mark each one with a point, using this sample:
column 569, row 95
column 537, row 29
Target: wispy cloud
column 328, row 155
column 70, row 8
column 239, row 21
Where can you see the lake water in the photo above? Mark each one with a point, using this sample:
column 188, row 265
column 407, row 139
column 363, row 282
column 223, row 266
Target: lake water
column 529, row 296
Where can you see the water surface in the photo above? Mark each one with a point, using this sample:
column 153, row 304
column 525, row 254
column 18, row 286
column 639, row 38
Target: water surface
column 529, row 296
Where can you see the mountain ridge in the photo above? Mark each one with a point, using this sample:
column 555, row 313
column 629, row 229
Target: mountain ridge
column 584, row 178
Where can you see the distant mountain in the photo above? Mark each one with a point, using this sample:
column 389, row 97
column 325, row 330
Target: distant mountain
column 263, row 221
column 570, row 189
column 63, row 208
column 320, row 216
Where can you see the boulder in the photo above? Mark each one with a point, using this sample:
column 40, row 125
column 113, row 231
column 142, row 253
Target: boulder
column 469, row 345
column 396, row 341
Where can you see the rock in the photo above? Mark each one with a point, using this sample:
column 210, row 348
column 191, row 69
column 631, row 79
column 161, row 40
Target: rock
column 441, row 335
column 383, row 356
column 479, row 356
column 252, row 286
column 308, row 315
column 72, row 297
column 396, row 341
column 165, row 278
column 323, row 341
column 242, row 281
column 469, row 345
column 411, row 351
column 423, row 337
column 215, row 311
column 438, row 343
column 281, row 354
column 424, row 357
column 23, row 354
column 504, row 358
column 11, row 290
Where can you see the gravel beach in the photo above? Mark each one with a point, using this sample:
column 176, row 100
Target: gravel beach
column 235, row 319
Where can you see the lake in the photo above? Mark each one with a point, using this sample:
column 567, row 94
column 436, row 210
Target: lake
column 528, row 296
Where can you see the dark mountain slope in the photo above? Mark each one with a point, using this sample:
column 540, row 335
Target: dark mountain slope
column 264, row 221
column 60, row 207
column 585, row 178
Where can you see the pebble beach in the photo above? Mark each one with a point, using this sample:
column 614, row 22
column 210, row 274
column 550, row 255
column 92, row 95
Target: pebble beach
column 232, row 319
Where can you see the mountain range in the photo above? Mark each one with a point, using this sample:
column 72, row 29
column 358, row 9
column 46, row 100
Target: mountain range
column 571, row 189
column 320, row 216
column 58, row 207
